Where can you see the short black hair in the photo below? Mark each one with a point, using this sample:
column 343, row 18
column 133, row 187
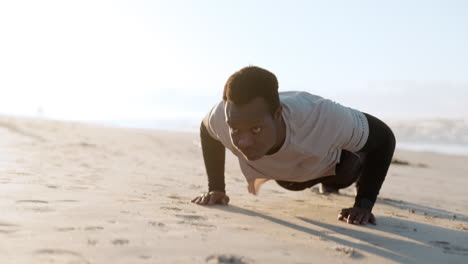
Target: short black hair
column 249, row 83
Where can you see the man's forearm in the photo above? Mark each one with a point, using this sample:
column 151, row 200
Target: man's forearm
column 379, row 147
column 214, row 156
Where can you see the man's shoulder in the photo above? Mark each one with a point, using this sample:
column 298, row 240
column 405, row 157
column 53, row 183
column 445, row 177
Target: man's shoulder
column 216, row 124
column 216, row 111
column 301, row 103
column 299, row 97
column 304, row 112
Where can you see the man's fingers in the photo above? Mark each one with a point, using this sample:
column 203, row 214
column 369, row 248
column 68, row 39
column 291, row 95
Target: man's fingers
column 357, row 216
column 351, row 217
column 226, row 200
column 205, row 199
column 365, row 219
column 197, row 200
column 343, row 215
column 357, row 219
column 201, row 201
column 212, row 199
column 223, row 200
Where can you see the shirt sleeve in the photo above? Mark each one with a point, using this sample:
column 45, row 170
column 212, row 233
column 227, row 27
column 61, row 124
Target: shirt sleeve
column 346, row 127
column 216, row 126
column 208, row 121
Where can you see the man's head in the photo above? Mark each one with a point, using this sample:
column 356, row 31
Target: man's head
column 253, row 111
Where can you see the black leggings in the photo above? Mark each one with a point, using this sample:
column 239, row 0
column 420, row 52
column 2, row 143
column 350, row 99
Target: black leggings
column 368, row 166
column 347, row 172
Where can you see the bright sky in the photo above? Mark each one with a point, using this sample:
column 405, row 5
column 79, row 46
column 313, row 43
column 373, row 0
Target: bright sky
column 101, row 60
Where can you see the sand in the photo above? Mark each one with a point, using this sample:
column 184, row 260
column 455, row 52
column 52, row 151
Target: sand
column 81, row 193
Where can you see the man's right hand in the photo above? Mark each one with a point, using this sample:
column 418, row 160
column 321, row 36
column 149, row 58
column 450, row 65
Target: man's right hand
column 211, row 198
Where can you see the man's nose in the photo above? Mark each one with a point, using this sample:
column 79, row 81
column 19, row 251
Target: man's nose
column 245, row 142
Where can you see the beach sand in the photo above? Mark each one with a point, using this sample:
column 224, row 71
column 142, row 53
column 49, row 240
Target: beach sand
column 81, row 193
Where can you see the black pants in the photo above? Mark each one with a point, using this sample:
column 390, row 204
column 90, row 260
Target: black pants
column 347, row 172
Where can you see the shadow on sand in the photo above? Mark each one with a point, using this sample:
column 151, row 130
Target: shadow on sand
column 409, row 242
column 418, row 209
column 440, row 213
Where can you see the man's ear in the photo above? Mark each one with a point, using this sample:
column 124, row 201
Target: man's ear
column 278, row 112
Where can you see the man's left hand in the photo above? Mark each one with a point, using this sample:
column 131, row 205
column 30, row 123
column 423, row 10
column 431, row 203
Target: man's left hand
column 357, row 216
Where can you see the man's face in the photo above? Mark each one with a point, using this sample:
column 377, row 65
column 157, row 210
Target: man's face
column 252, row 128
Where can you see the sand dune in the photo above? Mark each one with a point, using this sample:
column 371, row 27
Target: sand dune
column 80, row 193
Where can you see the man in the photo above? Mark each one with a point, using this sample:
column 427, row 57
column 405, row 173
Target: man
column 297, row 139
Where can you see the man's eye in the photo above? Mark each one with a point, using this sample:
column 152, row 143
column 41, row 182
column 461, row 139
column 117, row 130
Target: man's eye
column 256, row 130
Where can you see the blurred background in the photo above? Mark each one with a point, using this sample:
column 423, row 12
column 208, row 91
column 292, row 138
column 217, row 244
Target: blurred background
column 163, row 64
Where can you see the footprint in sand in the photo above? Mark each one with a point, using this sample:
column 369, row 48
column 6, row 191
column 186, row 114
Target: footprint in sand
column 7, row 228
column 191, row 217
column 204, row 227
column 154, row 223
column 93, row 228
column 400, row 228
column 160, row 226
column 449, row 248
column 35, row 205
column 67, row 201
column 120, row 242
column 92, row 242
column 85, row 165
column 5, row 180
column 65, row 229
column 19, row 173
column 59, row 256
column 226, row 259
column 349, row 252
column 32, row 201
column 173, row 196
column 170, row 208
column 193, row 221
column 77, row 188
column 86, row 145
